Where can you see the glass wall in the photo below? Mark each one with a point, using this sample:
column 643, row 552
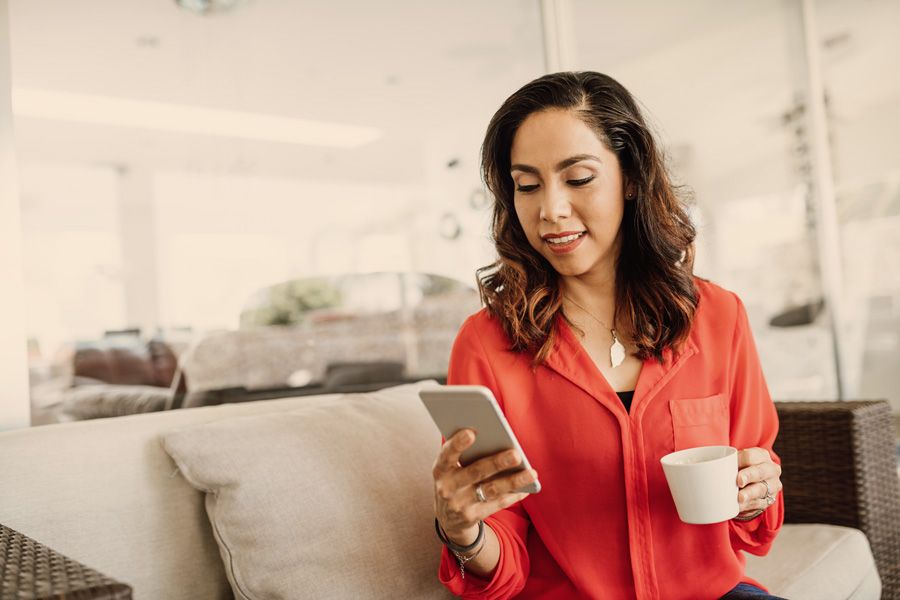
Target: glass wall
column 173, row 164
column 860, row 54
column 176, row 163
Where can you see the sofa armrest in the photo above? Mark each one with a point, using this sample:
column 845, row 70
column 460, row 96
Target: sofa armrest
column 840, row 467
column 30, row 570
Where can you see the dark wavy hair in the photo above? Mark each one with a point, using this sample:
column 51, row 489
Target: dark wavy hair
column 655, row 292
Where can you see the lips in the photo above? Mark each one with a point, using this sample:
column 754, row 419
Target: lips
column 551, row 236
column 565, row 242
column 561, row 239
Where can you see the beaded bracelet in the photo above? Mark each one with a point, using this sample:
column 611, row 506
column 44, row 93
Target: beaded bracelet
column 750, row 517
column 460, row 551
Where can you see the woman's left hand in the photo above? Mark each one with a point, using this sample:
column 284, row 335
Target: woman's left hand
column 755, row 466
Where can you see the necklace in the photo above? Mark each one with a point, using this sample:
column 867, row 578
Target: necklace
column 616, row 350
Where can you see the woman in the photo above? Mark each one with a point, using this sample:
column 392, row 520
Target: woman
column 605, row 353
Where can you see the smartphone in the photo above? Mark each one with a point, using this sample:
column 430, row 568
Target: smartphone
column 455, row 407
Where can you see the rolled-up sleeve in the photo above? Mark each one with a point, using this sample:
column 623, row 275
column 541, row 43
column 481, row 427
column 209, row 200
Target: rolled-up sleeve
column 470, row 365
column 754, row 423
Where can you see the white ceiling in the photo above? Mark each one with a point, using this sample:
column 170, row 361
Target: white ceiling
column 413, row 68
column 716, row 76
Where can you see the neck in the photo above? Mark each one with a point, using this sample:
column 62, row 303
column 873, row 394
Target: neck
column 596, row 294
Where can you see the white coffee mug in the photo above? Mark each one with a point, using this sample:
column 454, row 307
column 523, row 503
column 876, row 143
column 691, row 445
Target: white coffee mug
column 703, row 482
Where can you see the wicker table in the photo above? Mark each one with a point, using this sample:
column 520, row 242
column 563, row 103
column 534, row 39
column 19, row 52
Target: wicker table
column 32, row 571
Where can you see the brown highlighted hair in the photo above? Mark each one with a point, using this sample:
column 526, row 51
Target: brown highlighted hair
column 656, row 296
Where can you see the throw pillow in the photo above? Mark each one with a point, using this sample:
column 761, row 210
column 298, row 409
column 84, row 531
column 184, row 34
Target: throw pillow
column 332, row 500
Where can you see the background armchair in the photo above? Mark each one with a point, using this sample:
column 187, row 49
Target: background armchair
column 840, row 467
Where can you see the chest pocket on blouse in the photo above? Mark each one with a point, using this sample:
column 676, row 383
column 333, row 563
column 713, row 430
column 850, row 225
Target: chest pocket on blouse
column 700, row 421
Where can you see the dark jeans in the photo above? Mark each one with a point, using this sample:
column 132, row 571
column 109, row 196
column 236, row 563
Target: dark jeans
column 745, row 591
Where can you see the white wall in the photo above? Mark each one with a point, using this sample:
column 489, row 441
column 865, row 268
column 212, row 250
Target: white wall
column 14, row 407
column 74, row 267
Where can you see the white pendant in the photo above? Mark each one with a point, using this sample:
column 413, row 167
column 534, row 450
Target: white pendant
column 616, row 352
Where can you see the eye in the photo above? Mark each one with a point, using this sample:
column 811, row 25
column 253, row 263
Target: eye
column 526, row 188
column 580, row 182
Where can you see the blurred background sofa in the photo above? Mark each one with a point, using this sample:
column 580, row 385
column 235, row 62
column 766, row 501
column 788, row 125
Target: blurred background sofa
column 345, row 333
column 119, row 374
column 349, row 333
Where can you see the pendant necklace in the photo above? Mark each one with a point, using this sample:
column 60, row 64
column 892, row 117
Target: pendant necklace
column 617, row 350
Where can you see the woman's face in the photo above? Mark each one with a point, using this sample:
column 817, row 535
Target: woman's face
column 568, row 193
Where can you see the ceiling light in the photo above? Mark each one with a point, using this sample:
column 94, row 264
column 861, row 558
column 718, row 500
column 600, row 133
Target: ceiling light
column 206, row 7
column 180, row 118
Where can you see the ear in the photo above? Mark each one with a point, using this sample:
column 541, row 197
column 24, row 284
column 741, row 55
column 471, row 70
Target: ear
column 629, row 191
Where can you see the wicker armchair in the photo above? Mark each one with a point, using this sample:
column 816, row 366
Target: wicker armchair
column 840, row 467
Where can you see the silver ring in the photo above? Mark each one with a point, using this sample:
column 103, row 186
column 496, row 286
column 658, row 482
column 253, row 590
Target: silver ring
column 768, row 491
column 769, row 498
column 479, row 493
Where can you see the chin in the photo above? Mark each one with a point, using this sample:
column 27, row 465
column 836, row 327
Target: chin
column 568, row 268
column 573, row 273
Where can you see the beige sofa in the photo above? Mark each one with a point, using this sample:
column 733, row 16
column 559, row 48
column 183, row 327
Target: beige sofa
column 341, row 486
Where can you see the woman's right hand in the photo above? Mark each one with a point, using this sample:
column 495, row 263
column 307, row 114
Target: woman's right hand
column 456, row 505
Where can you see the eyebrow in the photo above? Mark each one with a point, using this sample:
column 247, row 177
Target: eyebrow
column 563, row 164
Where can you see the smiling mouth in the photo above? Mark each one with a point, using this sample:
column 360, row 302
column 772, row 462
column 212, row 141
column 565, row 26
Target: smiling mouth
column 561, row 241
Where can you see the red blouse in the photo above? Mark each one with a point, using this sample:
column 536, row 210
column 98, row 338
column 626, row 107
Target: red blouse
column 604, row 524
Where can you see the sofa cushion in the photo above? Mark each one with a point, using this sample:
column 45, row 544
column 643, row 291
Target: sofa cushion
column 332, row 499
column 818, row 562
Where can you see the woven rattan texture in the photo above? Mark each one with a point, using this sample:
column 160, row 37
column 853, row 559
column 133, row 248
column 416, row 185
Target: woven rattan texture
column 29, row 570
column 840, row 466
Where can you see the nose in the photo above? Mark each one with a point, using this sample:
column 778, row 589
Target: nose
column 555, row 205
